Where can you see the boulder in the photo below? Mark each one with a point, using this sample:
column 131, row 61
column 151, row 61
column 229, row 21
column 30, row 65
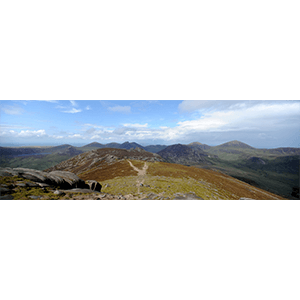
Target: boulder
column 32, row 184
column 62, row 179
column 67, row 180
column 94, row 185
column 43, row 185
column 58, row 193
column 186, row 196
column 4, row 190
column 7, row 197
column 8, row 172
column 35, row 197
column 150, row 196
column 21, row 184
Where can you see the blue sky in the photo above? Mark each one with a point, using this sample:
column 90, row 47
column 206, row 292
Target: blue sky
column 262, row 124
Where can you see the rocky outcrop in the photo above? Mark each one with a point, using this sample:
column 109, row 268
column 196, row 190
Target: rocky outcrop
column 58, row 179
column 186, row 196
column 94, row 185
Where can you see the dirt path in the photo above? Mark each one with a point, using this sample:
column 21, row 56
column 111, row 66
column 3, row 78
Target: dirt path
column 141, row 174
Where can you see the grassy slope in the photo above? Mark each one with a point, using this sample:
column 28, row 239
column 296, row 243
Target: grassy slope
column 167, row 179
column 87, row 149
column 279, row 175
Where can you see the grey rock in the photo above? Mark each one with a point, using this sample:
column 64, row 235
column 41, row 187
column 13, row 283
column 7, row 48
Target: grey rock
column 67, row 179
column 32, row 184
column 188, row 196
column 94, row 185
column 58, row 193
column 85, row 191
column 151, row 196
column 63, row 179
column 7, row 197
column 8, row 172
column 4, row 190
column 21, row 184
column 43, row 185
column 31, row 174
column 35, row 197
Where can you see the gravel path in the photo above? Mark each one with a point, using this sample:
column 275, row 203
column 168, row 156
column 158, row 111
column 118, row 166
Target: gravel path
column 141, row 174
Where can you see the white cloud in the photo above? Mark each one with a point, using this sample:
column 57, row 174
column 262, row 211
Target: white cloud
column 33, row 133
column 24, row 133
column 73, row 103
column 261, row 120
column 218, row 105
column 12, row 110
column 72, row 111
column 136, row 125
column 88, row 108
column 76, row 135
column 53, row 101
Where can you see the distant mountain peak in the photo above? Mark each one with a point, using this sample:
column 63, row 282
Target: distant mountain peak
column 236, row 144
column 93, row 144
column 184, row 154
column 194, row 143
column 197, row 145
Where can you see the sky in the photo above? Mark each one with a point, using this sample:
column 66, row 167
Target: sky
column 261, row 124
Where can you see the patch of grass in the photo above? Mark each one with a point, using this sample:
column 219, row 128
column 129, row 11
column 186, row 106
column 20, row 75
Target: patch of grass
column 22, row 193
column 168, row 179
column 9, row 180
column 166, row 186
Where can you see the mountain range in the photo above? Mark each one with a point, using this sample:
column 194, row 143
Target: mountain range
column 273, row 170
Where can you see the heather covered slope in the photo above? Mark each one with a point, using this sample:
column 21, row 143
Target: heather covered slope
column 275, row 170
column 170, row 181
column 143, row 175
column 88, row 161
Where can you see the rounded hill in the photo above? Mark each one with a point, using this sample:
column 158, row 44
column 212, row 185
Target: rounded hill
column 96, row 158
column 182, row 154
column 235, row 144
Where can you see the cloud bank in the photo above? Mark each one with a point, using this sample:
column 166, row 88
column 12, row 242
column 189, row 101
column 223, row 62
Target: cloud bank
column 211, row 122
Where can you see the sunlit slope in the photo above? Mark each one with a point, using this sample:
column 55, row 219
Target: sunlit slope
column 167, row 180
column 141, row 174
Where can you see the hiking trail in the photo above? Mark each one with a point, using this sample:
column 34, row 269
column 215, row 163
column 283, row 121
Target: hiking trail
column 141, row 174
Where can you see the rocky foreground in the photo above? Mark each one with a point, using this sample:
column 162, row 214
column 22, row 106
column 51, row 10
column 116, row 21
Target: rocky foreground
column 29, row 184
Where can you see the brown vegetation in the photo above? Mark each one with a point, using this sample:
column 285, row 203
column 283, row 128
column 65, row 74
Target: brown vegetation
column 110, row 171
column 236, row 188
